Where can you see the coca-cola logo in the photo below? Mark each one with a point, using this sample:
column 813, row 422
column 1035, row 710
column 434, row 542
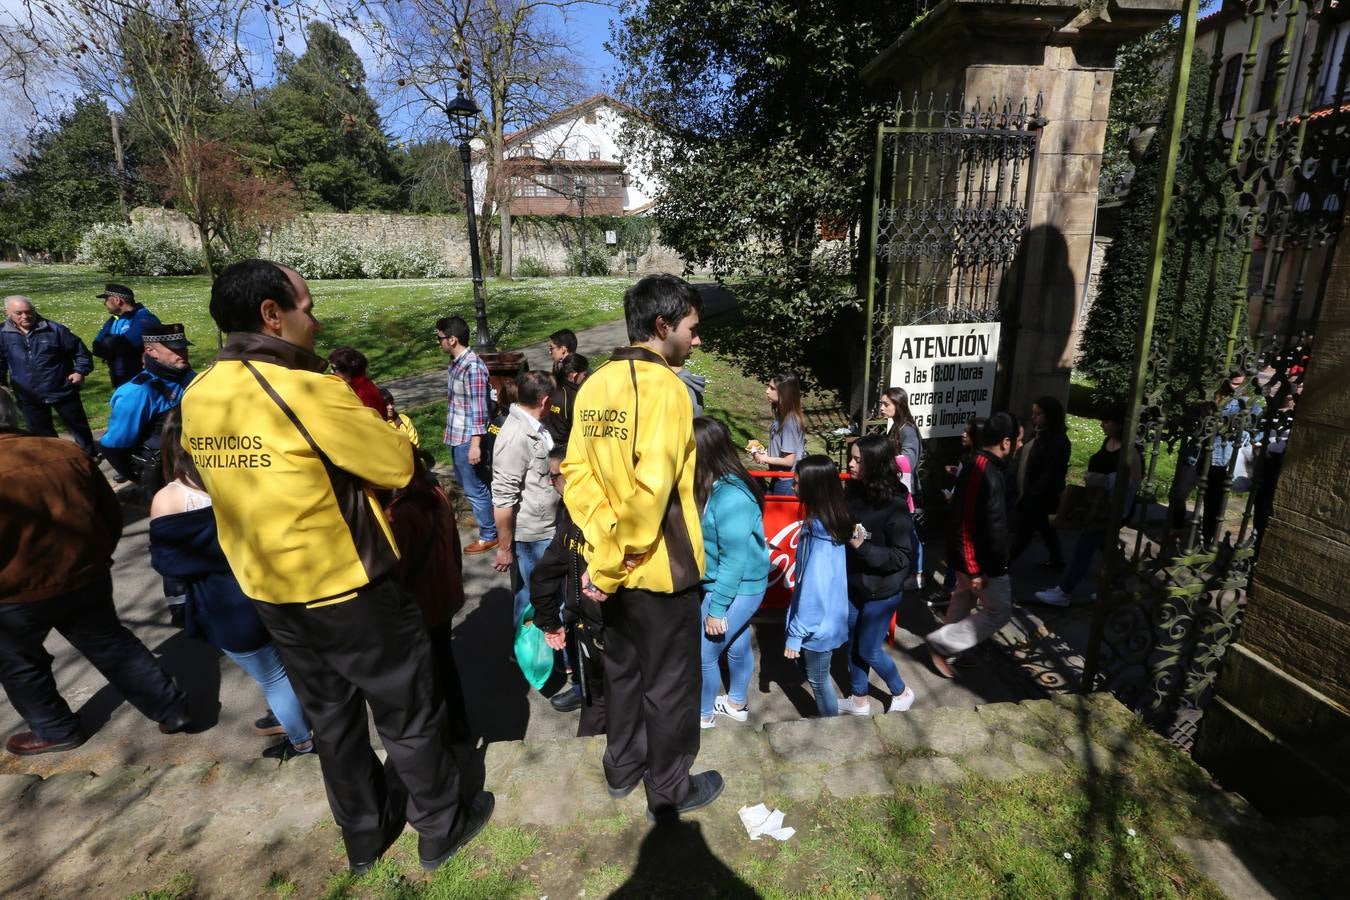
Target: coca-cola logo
column 783, row 555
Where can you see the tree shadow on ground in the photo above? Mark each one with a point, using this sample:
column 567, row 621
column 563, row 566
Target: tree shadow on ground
column 495, row 692
column 195, row 667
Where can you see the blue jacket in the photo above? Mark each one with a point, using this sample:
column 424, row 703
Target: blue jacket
column 817, row 617
column 733, row 545
column 136, row 406
column 119, row 344
column 37, row 363
column 185, row 546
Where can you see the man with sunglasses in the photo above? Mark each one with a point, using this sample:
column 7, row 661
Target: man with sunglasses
column 466, row 421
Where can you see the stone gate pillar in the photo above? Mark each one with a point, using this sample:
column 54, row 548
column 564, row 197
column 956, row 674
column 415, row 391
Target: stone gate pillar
column 1279, row 729
column 995, row 49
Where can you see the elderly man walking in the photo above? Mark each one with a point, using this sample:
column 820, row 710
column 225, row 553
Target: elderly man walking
column 292, row 460
column 61, row 525
column 46, row 364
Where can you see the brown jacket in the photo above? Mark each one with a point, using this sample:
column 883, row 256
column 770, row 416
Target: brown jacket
column 59, row 518
column 431, row 563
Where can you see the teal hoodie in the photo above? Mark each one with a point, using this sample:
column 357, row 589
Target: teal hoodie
column 733, row 544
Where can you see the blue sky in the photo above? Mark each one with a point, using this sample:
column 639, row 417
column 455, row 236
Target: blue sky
column 590, row 26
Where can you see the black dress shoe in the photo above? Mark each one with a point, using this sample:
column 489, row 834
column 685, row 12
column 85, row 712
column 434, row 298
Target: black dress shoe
column 566, row 701
column 434, row 854
column 620, row 792
column 25, row 743
column 706, row 787
column 176, row 724
column 391, row 833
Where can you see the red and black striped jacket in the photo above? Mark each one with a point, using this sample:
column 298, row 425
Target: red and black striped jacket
column 978, row 545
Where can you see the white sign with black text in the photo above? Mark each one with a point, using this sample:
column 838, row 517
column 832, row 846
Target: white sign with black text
column 948, row 372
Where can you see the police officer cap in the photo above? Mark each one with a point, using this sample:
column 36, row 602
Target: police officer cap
column 120, row 290
column 169, row 335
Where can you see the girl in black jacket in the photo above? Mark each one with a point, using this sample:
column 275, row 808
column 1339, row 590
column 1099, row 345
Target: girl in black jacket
column 1040, row 471
column 879, row 558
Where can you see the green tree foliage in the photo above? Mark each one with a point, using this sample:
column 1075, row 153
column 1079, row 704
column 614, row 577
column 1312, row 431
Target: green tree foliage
column 322, row 128
column 1143, row 77
column 65, row 183
column 770, row 134
column 433, row 177
column 1199, row 276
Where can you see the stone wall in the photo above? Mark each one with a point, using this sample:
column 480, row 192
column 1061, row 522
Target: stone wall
column 1279, row 729
column 540, row 241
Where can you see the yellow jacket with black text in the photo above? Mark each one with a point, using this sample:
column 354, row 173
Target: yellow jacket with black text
column 630, row 475
column 291, row 458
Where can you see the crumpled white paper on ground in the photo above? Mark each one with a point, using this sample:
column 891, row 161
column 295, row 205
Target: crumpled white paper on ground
column 759, row 821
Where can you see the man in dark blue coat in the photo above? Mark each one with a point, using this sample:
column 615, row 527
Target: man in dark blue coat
column 46, row 364
column 118, row 342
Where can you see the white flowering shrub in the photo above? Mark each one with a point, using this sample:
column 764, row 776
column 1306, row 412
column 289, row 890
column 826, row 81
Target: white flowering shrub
column 137, row 250
column 328, row 254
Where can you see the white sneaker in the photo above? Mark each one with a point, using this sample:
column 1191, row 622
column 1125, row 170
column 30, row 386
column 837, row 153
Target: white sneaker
column 710, row 722
column 722, row 706
column 1053, row 597
column 902, row 701
column 853, row 709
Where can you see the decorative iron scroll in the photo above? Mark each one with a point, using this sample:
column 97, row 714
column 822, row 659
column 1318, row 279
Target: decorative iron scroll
column 1263, row 191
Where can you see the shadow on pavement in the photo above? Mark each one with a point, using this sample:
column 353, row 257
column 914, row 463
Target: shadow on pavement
column 675, row 861
column 195, row 666
column 495, row 693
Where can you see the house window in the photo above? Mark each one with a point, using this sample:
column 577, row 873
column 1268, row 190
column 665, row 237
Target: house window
column 595, row 153
column 1335, row 59
column 1232, row 74
column 1266, row 96
column 527, row 150
column 560, row 153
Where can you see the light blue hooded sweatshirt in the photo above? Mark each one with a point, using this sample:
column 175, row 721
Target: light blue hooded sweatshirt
column 817, row 618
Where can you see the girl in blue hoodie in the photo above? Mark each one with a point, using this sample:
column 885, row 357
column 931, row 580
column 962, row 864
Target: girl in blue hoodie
column 817, row 618
column 731, row 506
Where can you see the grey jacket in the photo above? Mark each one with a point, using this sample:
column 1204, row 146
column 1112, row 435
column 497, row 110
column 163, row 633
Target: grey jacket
column 520, row 477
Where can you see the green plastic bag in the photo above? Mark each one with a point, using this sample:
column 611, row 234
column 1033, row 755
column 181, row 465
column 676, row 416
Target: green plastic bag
column 533, row 654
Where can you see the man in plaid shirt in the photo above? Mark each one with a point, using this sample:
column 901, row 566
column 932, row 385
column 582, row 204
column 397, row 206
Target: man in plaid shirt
column 466, row 422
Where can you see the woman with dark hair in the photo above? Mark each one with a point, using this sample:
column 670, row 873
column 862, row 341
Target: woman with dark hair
column 787, row 431
column 817, row 617
column 184, row 545
column 1040, row 471
column 903, row 433
column 737, row 574
column 349, row 364
column 1101, row 483
column 397, row 420
column 879, row 559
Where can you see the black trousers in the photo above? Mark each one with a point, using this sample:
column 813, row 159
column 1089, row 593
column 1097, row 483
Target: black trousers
column 372, row 649
column 590, row 659
column 447, row 673
column 1033, row 518
column 1215, row 501
column 88, row 619
column 652, row 678
column 38, row 417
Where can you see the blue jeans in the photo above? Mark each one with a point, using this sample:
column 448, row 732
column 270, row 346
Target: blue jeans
column 735, row 644
column 868, row 622
column 781, row 487
column 1084, row 551
column 264, row 666
column 480, row 499
column 817, row 664
column 527, row 557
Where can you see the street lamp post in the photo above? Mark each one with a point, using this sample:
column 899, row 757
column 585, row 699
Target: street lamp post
column 581, row 207
column 463, row 115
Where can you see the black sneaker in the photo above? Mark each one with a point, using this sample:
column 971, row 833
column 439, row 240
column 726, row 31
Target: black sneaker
column 268, row 725
column 391, row 834
column 620, row 792
column 176, row 724
column 706, row 787
column 566, row 701
column 434, row 854
column 283, row 751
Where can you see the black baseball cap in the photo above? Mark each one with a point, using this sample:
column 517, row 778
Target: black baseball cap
column 120, row 290
column 169, row 335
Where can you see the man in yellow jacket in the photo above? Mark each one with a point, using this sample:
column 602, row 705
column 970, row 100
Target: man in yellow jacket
column 630, row 489
column 291, row 459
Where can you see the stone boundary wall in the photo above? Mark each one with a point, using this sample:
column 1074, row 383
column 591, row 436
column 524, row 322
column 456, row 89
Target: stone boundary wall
column 446, row 234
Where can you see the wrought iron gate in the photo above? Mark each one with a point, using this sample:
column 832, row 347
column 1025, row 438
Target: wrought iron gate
column 1254, row 183
column 951, row 198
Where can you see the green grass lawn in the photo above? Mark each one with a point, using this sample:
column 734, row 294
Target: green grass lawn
column 391, row 321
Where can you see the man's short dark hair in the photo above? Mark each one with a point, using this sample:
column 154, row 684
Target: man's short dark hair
column 999, row 427
column 566, row 338
column 657, row 296
column 238, row 293
column 455, row 327
column 559, row 452
column 533, row 386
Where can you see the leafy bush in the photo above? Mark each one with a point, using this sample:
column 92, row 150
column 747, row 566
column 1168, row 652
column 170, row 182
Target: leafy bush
column 594, row 262
column 328, row 254
column 532, row 267
column 137, row 250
